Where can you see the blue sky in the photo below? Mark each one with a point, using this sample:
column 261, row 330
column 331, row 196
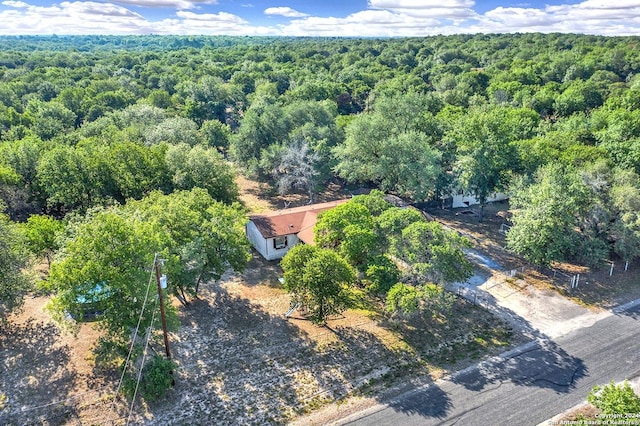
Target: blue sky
column 368, row 18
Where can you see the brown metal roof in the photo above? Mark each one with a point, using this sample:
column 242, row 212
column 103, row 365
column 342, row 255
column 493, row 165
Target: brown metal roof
column 298, row 220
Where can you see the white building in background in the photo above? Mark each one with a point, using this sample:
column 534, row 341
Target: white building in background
column 465, row 200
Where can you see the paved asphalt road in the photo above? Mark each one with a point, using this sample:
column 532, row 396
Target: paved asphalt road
column 526, row 387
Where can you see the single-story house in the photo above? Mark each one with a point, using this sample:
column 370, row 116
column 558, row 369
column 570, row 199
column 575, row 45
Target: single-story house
column 274, row 233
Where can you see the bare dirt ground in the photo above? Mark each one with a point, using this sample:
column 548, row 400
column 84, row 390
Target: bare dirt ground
column 243, row 362
column 240, row 361
column 259, row 197
column 595, row 287
column 47, row 376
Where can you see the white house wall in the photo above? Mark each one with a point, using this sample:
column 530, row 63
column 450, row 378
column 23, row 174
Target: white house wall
column 469, row 200
column 265, row 246
column 273, row 253
column 257, row 240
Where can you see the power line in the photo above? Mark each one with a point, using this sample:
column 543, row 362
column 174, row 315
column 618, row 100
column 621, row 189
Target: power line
column 33, row 408
column 144, row 356
column 135, row 334
column 61, row 401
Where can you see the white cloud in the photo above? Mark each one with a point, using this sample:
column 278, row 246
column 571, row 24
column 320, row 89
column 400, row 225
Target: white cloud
column 448, row 9
column 106, row 18
column 619, row 4
column 69, row 18
column 221, row 17
column 420, row 4
column 590, row 16
column 16, row 4
column 171, row 4
column 368, row 23
column 284, row 11
column 382, row 18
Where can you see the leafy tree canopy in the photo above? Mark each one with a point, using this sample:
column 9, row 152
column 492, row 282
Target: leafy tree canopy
column 319, row 280
column 14, row 284
column 615, row 399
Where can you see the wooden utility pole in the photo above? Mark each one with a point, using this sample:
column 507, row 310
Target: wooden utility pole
column 161, row 300
column 164, row 318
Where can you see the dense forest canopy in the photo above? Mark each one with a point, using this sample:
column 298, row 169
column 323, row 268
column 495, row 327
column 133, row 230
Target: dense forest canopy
column 97, row 120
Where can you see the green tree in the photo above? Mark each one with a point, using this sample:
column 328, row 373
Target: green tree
column 137, row 169
column 263, row 124
column 173, row 130
column 392, row 147
column 358, row 244
column 381, row 273
column 201, row 238
column 615, row 399
column 14, row 283
column 403, row 298
column 485, row 154
column 407, row 300
column 115, row 252
column 42, row 234
column 435, row 254
column 8, row 175
column 155, row 380
column 50, row 118
column 66, row 180
column 546, row 215
column 373, row 201
column 392, row 222
column 319, row 280
column 201, row 167
column 625, row 203
column 216, row 134
column 329, row 231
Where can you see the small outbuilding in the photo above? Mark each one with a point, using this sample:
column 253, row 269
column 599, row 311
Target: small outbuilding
column 274, row 233
column 462, row 199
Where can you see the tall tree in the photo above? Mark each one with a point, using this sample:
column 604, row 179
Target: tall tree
column 65, row 177
column 485, row 153
column 329, row 231
column 297, row 170
column 203, row 168
column 201, row 238
column 14, row 284
column 109, row 258
column 42, row 234
column 319, row 280
column 546, row 215
column 392, row 147
column 435, row 254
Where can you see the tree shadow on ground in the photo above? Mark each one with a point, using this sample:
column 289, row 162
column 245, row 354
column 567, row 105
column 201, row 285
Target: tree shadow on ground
column 239, row 364
column 543, row 365
column 632, row 312
column 34, row 375
column 432, row 402
column 454, row 340
column 436, row 403
column 261, row 271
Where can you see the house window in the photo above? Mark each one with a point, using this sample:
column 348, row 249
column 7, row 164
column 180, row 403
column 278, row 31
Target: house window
column 280, row 242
